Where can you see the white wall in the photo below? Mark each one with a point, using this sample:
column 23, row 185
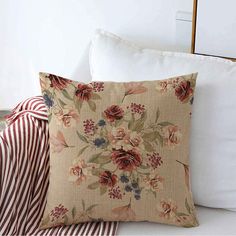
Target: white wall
column 53, row 35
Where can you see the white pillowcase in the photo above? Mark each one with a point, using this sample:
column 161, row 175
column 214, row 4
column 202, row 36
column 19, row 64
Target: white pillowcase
column 213, row 139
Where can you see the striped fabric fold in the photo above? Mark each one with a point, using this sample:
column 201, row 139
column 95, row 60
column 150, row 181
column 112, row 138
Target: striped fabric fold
column 24, row 176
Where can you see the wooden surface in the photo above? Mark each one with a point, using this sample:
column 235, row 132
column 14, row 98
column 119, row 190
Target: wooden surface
column 194, row 25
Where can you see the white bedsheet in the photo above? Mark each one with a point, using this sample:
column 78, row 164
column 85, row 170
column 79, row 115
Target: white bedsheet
column 212, row 222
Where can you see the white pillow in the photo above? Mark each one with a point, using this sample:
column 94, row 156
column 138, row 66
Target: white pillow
column 213, row 139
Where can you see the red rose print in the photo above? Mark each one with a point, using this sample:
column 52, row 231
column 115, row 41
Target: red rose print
column 58, row 82
column 84, row 91
column 113, row 113
column 126, row 160
column 107, row 178
column 183, row 90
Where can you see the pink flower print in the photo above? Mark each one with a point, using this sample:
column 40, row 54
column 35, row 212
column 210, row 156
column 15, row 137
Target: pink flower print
column 68, row 117
column 58, row 142
column 163, row 86
column 167, row 209
column 134, row 88
column 124, row 213
column 78, row 172
column 133, row 139
column 153, row 182
column 116, row 134
column 171, row 135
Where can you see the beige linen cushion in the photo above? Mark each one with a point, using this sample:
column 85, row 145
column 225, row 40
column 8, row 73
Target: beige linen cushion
column 119, row 151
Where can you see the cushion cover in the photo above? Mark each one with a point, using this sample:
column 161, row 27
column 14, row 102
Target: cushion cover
column 119, row 151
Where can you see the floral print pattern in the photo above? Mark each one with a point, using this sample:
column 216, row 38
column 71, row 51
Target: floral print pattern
column 60, row 215
column 58, row 142
column 58, row 82
column 58, row 212
column 106, row 178
column 171, row 135
column 154, row 160
column 84, row 92
column 113, row 113
column 119, row 150
column 153, row 182
column 134, row 88
column 67, row 117
column 78, row 171
column 168, row 210
column 183, row 88
column 98, row 86
column 124, row 213
column 126, row 160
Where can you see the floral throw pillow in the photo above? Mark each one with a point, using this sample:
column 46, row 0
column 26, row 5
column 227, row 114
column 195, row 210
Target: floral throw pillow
column 119, row 151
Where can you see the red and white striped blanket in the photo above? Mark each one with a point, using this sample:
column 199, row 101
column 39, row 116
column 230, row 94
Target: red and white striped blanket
column 24, row 170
